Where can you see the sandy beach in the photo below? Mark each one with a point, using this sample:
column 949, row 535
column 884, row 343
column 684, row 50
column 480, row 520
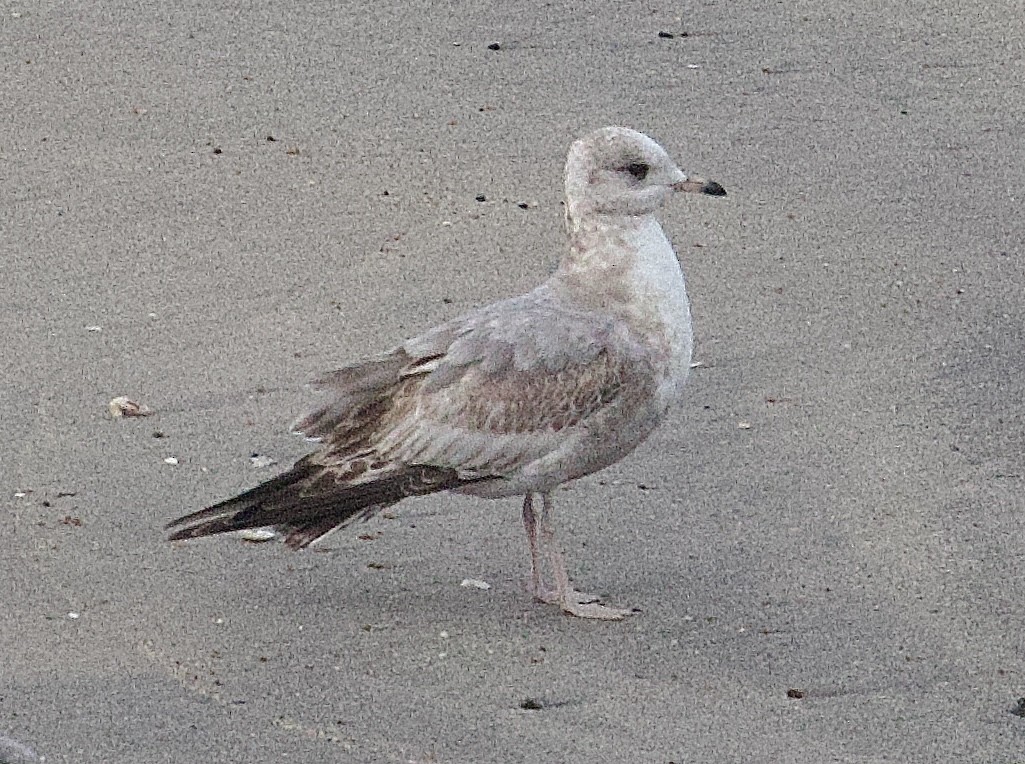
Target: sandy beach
column 203, row 207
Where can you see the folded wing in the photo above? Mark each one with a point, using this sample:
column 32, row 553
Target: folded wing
column 487, row 398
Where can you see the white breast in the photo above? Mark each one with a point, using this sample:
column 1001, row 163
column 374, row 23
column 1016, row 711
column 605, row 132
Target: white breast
column 662, row 302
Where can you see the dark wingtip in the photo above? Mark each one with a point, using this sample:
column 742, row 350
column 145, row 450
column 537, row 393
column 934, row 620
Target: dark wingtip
column 196, row 531
column 711, row 188
column 176, row 523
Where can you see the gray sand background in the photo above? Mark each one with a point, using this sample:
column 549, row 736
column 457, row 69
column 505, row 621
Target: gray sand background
column 837, row 508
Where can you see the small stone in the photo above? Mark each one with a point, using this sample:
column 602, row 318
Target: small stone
column 257, row 535
column 123, row 406
column 259, row 461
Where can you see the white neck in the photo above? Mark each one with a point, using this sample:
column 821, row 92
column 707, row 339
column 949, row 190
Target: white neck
column 626, row 266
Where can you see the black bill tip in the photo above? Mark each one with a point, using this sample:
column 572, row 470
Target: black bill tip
column 713, row 189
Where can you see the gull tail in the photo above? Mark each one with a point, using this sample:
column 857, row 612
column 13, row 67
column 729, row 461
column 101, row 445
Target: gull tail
column 309, row 501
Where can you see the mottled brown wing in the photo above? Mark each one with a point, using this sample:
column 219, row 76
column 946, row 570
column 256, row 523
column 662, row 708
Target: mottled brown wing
column 485, row 394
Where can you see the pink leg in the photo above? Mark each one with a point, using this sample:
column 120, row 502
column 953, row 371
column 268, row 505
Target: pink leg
column 570, row 600
column 530, row 526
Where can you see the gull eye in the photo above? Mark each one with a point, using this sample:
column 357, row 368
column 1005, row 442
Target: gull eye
column 638, row 169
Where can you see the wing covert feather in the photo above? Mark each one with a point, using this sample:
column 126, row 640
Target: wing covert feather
column 487, row 393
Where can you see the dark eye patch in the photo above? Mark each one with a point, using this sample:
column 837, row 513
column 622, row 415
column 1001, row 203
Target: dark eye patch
column 638, row 169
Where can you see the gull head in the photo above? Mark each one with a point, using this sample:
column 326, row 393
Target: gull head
column 617, row 171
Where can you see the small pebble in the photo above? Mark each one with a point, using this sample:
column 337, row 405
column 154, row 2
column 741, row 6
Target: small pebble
column 259, row 461
column 257, row 535
column 122, row 406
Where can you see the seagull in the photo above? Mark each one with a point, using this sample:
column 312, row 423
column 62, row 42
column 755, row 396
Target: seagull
column 515, row 398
